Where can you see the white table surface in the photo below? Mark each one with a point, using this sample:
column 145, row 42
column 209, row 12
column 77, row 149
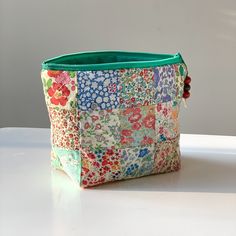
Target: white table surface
column 198, row 200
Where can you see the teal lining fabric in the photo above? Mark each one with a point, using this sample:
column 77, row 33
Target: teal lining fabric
column 106, row 60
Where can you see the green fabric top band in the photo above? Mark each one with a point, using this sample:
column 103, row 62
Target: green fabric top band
column 106, row 60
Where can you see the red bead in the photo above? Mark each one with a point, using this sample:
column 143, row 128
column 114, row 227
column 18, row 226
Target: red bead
column 187, row 80
column 186, row 94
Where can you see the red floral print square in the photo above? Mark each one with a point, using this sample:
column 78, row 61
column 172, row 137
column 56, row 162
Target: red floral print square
column 64, row 128
column 100, row 165
column 60, row 88
column 137, row 126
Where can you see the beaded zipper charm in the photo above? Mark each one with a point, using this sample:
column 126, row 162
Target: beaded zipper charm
column 187, row 88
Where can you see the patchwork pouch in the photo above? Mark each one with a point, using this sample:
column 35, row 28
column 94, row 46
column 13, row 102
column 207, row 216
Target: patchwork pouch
column 114, row 115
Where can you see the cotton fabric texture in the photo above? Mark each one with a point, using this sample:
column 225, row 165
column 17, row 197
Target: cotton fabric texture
column 114, row 115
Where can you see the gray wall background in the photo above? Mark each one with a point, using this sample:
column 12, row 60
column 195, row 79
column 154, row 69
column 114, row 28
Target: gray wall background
column 203, row 31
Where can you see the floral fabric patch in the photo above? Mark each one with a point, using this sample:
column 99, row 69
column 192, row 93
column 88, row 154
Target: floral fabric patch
column 167, row 156
column 164, row 84
column 167, row 121
column 70, row 161
column 98, row 90
column 100, row 128
column 137, row 162
column 180, row 75
column 136, row 87
column 137, row 126
column 64, row 128
column 100, row 165
column 60, row 88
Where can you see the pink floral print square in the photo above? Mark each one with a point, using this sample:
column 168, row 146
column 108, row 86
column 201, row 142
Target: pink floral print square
column 137, row 126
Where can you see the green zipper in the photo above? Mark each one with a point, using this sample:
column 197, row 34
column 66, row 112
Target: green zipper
column 107, row 60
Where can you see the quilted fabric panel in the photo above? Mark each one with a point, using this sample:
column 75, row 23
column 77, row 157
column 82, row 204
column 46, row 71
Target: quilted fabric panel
column 100, row 165
column 115, row 124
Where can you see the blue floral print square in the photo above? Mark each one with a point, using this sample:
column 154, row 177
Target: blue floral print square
column 164, row 84
column 138, row 161
column 98, row 90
